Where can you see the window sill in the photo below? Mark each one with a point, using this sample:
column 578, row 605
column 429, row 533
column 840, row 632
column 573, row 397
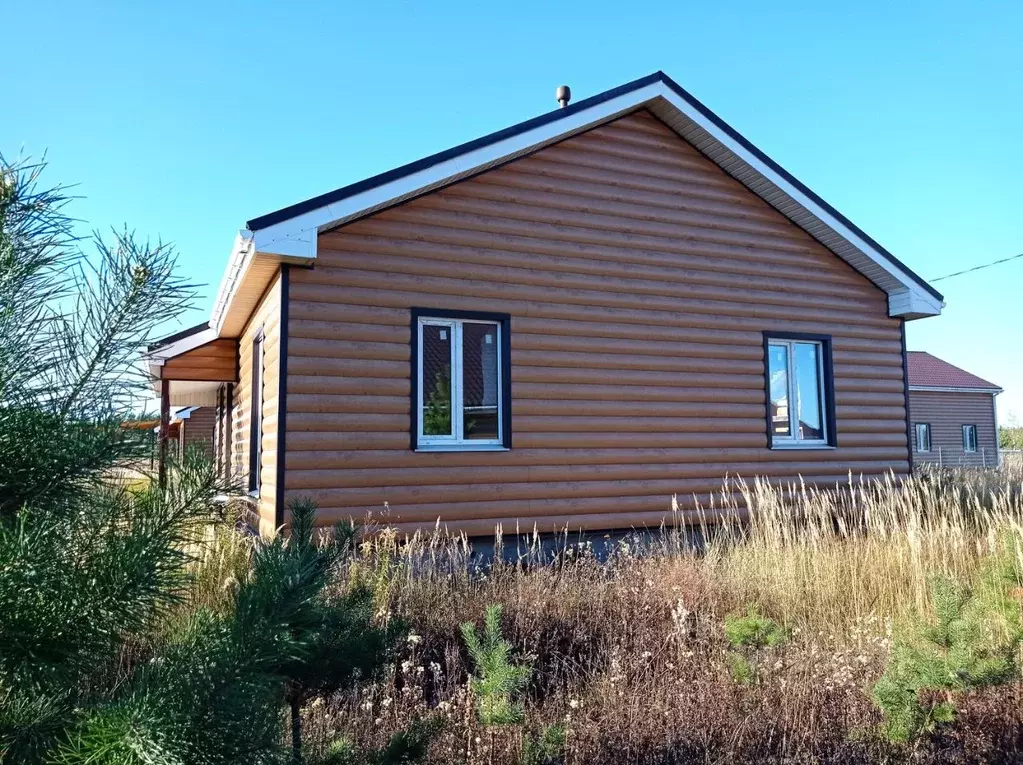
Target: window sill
column 803, row 447
column 462, row 448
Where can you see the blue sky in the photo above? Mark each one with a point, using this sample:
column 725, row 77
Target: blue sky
column 184, row 120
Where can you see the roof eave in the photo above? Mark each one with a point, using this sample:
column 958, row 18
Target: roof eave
column 954, row 389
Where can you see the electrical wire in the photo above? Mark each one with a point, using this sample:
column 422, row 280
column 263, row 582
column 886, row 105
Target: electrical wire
column 978, row 268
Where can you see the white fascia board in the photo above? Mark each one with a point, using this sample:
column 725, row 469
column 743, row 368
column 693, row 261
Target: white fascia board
column 297, row 237
column 155, row 358
column 241, row 254
column 952, row 389
column 913, row 303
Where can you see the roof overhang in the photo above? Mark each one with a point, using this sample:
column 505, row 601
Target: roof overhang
column 250, row 269
column 175, row 345
column 182, row 392
column 290, row 234
column 953, row 389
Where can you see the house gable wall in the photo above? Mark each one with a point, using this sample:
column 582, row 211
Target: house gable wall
column 639, row 278
column 213, row 362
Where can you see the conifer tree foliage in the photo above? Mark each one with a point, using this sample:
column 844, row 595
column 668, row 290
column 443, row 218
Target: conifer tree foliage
column 324, row 641
column 71, row 329
column 104, row 656
column 497, row 681
column 972, row 642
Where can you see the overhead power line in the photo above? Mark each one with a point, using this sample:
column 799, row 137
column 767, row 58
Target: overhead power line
column 978, row 268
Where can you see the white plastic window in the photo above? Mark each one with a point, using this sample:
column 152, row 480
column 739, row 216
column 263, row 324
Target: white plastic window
column 459, row 389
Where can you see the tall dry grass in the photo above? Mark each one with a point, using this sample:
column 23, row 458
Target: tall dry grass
column 628, row 649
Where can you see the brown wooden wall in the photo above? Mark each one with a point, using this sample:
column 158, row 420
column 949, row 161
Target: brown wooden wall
column 266, row 317
column 639, row 278
column 197, row 430
column 215, row 361
column 947, row 413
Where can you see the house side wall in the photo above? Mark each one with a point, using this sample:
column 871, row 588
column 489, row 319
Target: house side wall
column 947, row 412
column 265, row 317
column 197, row 430
column 639, row 278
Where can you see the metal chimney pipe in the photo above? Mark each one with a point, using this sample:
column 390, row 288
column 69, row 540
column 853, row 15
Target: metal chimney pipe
column 564, row 95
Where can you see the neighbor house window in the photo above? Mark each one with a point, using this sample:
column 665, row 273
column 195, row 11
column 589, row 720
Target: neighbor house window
column 800, row 409
column 969, row 438
column 923, row 436
column 256, row 415
column 460, row 395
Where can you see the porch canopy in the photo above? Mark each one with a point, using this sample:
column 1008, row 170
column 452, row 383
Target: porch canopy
column 190, row 366
column 187, row 369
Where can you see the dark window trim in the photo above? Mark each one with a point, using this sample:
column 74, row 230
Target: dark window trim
column 828, row 383
column 976, row 438
column 504, row 320
column 256, row 414
column 229, row 431
column 930, row 438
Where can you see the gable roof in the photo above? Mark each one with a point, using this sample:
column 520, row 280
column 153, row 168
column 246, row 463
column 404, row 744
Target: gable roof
column 927, row 371
column 290, row 234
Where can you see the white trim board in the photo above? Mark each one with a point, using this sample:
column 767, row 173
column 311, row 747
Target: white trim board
column 952, row 389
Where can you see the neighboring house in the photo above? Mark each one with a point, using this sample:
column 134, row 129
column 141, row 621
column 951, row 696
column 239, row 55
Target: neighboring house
column 953, row 414
column 563, row 323
column 196, row 425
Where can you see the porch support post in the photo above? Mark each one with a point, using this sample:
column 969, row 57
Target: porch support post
column 164, row 430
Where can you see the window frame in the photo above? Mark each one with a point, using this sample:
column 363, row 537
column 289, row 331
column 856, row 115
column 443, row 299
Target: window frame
column 455, row 319
column 916, row 437
column 826, row 385
column 966, row 449
column 256, row 413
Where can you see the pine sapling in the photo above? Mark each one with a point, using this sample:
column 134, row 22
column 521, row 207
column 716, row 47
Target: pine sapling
column 971, row 642
column 496, row 680
column 748, row 634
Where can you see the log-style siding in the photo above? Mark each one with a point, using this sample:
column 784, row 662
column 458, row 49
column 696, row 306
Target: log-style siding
column 639, row 278
column 197, row 430
column 215, row 361
column 947, row 412
column 266, row 317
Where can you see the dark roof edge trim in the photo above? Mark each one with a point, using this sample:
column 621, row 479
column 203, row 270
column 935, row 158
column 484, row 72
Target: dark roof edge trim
column 179, row 336
column 291, row 211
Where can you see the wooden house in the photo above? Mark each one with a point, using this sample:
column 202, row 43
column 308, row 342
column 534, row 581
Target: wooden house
column 564, row 323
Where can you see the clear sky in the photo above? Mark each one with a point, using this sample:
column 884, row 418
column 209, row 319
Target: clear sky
column 184, row 119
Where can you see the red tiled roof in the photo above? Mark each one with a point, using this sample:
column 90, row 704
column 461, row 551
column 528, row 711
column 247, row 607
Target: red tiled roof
column 931, row 372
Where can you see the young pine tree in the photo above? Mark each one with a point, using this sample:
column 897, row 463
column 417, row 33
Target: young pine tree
column 90, row 569
column 498, row 683
column 972, row 642
column 315, row 639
